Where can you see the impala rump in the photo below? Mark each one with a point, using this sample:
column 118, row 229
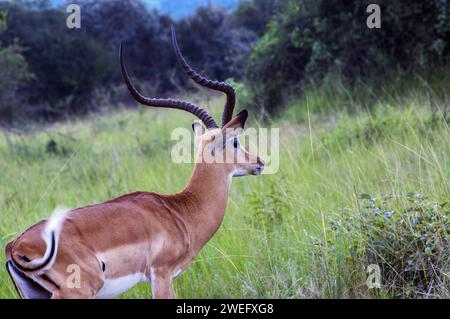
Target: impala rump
column 24, row 265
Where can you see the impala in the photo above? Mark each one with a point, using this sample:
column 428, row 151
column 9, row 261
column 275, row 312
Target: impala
column 142, row 236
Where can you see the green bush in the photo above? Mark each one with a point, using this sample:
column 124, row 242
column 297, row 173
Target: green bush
column 407, row 237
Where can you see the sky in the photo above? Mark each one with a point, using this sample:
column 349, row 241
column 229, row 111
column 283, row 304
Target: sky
column 177, row 8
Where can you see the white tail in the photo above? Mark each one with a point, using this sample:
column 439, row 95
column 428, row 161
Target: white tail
column 50, row 234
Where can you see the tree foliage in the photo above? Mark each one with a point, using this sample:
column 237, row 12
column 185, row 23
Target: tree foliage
column 310, row 38
column 71, row 65
column 274, row 47
column 67, row 64
column 14, row 74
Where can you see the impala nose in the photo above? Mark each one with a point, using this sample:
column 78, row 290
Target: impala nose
column 260, row 166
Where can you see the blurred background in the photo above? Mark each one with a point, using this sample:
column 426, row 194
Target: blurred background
column 359, row 207
column 276, row 48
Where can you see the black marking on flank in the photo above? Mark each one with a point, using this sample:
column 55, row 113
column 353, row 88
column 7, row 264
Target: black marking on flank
column 25, row 258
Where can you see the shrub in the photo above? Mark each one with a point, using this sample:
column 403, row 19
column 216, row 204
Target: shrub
column 408, row 238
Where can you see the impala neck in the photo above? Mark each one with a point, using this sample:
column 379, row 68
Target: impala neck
column 208, row 188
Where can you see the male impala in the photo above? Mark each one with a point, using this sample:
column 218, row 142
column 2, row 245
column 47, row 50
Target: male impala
column 139, row 236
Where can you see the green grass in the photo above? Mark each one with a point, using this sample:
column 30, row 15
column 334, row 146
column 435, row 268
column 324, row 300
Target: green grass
column 277, row 240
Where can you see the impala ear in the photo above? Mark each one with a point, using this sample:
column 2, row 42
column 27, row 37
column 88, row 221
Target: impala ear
column 198, row 128
column 235, row 127
column 237, row 122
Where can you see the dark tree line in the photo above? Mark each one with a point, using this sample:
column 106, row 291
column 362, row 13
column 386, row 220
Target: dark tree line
column 70, row 68
column 308, row 39
column 273, row 46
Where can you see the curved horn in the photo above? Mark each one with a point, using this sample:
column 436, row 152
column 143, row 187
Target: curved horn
column 214, row 85
column 169, row 103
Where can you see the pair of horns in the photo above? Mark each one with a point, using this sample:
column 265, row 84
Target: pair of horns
column 202, row 114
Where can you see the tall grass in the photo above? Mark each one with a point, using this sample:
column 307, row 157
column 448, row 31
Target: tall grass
column 278, row 239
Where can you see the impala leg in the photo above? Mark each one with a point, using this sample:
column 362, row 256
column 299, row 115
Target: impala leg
column 161, row 285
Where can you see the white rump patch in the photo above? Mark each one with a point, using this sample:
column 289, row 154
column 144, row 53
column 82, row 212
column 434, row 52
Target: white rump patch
column 114, row 287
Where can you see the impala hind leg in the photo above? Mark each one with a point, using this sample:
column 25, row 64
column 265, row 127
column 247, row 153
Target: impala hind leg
column 161, row 282
column 85, row 285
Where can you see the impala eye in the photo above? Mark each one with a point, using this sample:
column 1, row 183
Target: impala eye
column 235, row 143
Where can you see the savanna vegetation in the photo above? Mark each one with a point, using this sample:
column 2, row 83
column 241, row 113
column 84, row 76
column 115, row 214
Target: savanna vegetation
column 364, row 136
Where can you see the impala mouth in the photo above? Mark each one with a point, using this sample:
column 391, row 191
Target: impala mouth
column 239, row 173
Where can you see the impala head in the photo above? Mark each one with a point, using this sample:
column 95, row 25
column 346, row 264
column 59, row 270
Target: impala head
column 218, row 147
column 221, row 147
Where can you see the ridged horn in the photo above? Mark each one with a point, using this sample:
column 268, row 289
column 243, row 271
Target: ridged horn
column 162, row 102
column 213, row 85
